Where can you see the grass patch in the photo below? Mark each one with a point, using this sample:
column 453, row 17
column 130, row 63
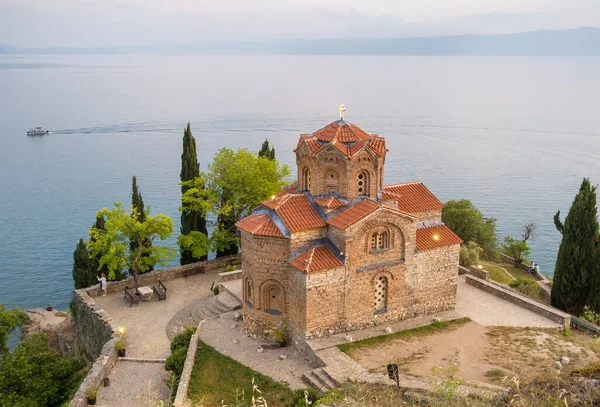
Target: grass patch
column 495, row 374
column 217, row 378
column 530, row 289
column 497, row 274
column 420, row 331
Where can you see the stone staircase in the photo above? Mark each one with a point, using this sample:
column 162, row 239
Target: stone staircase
column 320, row 380
column 207, row 308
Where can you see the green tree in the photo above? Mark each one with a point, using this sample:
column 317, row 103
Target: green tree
column 10, row 319
column 137, row 202
column 577, row 256
column 120, row 229
column 266, row 150
column 469, row 254
column 84, row 273
column 35, row 375
column 470, row 224
column 236, row 182
column 95, row 268
column 515, row 248
column 191, row 221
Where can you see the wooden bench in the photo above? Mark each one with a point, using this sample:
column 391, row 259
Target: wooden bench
column 160, row 290
column 194, row 271
column 133, row 299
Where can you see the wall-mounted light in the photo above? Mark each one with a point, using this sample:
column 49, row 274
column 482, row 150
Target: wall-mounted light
column 121, row 330
column 480, row 267
column 436, row 237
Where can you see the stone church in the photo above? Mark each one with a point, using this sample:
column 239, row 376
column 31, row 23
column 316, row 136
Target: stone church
column 339, row 250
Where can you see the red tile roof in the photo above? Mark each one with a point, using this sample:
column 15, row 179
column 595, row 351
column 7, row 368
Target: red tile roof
column 353, row 214
column 296, row 211
column 290, row 189
column 330, row 203
column 412, row 197
column 346, row 137
column 315, row 259
column 259, row 225
column 436, row 236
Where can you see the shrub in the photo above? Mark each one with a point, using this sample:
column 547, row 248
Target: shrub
column 590, row 316
column 470, row 254
column 216, row 290
column 176, row 360
column 183, row 339
column 305, row 397
column 229, row 268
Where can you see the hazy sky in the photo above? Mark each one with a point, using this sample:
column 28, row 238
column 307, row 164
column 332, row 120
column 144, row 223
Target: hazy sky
column 44, row 23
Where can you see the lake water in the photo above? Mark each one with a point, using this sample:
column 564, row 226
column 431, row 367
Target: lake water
column 514, row 135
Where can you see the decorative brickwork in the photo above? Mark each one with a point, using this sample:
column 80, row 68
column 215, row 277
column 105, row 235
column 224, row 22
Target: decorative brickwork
column 352, row 252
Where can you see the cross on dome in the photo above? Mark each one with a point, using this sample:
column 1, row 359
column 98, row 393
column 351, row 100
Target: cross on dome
column 342, row 109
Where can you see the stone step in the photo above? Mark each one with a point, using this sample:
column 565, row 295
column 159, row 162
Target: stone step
column 324, row 378
column 311, row 379
column 228, row 300
column 330, row 378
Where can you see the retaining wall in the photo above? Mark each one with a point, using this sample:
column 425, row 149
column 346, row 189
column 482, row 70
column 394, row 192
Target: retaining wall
column 541, row 309
column 96, row 333
column 230, row 275
column 186, row 374
column 169, row 273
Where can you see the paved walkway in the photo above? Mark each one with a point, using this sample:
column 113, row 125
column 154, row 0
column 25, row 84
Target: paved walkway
column 146, row 331
column 488, row 310
column 225, row 335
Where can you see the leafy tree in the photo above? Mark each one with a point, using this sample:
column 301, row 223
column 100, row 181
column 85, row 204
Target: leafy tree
column 515, row 248
column 577, row 255
column 35, row 375
column 266, row 150
column 191, row 221
column 120, row 229
column 236, row 182
column 470, row 224
column 469, row 254
column 95, row 268
column 137, row 202
column 84, row 273
column 9, row 320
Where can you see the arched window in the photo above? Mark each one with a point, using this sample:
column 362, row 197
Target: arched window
column 248, row 293
column 362, row 183
column 306, row 179
column 380, row 240
column 381, row 295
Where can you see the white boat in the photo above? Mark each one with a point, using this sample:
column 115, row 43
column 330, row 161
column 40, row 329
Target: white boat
column 38, row 131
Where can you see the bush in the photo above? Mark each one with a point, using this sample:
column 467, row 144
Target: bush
column 515, row 248
column 216, row 290
column 183, row 339
column 470, row 254
column 176, row 360
column 302, row 395
column 590, row 316
column 528, row 287
column 229, row 268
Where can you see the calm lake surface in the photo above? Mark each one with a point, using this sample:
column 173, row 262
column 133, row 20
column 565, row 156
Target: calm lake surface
column 514, row 135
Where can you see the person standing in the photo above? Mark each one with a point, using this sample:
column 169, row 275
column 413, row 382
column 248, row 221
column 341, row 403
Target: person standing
column 102, row 281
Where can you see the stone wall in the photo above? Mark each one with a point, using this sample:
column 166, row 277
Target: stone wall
column 230, row 275
column 96, row 333
column 93, row 326
column 265, row 272
column 169, row 273
column 186, row 374
column 482, row 274
column 532, row 305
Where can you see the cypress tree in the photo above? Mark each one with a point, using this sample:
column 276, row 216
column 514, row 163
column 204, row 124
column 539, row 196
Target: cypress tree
column 190, row 169
column 577, row 256
column 266, row 150
column 83, row 272
column 137, row 203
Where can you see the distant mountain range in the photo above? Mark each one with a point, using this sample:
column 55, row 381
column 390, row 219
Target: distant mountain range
column 574, row 42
